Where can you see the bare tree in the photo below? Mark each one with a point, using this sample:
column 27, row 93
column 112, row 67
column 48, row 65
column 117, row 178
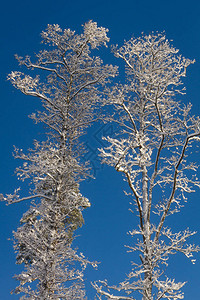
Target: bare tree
column 156, row 138
column 70, row 86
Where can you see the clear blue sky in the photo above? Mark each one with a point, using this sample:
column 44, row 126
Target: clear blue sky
column 107, row 221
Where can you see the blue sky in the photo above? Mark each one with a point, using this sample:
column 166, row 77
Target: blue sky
column 107, row 221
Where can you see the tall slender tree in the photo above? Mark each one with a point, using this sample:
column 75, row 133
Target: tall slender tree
column 153, row 150
column 70, row 84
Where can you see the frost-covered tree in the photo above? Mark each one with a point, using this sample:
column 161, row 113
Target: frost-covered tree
column 43, row 242
column 69, row 84
column 153, row 150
